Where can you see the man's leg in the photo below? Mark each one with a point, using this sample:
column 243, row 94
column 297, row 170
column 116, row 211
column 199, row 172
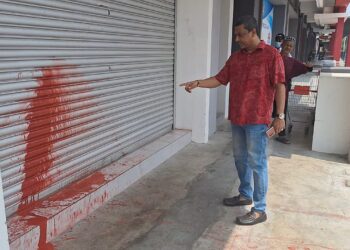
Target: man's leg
column 240, row 155
column 257, row 142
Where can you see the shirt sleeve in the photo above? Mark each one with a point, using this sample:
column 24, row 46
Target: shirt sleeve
column 277, row 74
column 298, row 68
column 224, row 75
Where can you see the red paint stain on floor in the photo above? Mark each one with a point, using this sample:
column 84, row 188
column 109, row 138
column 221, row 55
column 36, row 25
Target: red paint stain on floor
column 70, row 238
column 42, row 223
column 85, row 186
column 69, row 193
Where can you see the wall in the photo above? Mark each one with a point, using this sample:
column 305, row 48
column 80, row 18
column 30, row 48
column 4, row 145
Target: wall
column 193, row 40
column 302, row 38
column 246, row 7
column 347, row 53
column 293, row 30
column 279, row 21
column 293, row 27
column 311, row 44
column 288, row 17
column 298, row 37
column 214, row 64
column 303, row 45
column 226, row 17
column 332, row 120
column 197, row 57
column 346, row 31
column 257, row 10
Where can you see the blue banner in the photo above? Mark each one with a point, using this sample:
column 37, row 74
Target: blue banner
column 267, row 22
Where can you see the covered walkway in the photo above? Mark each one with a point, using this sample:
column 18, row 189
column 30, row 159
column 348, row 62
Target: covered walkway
column 178, row 205
column 90, row 102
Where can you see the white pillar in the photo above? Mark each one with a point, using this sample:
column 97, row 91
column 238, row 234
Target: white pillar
column 4, row 243
column 197, row 41
column 226, row 16
column 193, row 54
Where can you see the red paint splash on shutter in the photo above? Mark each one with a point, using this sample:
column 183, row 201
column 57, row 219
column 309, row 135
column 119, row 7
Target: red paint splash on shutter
column 46, row 110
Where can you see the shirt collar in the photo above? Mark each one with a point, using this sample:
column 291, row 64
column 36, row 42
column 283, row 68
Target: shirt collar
column 260, row 46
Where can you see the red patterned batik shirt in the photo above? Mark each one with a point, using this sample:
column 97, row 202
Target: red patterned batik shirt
column 252, row 78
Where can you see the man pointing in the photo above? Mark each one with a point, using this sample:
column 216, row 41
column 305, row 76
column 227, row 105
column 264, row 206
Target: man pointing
column 256, row 75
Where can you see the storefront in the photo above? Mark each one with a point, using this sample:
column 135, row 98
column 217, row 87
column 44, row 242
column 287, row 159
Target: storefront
column 82, row 84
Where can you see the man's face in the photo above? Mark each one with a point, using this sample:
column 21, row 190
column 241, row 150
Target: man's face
column 244, row 37
column 287, row 47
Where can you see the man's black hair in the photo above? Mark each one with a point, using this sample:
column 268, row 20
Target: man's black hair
column 279, row 37
column 249, row 23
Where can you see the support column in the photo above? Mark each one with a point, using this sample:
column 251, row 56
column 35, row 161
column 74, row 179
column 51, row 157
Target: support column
column 300, row 39
column 280, row 16
column 338, row 39
column 4, row 243
column 246, row 7
column 193, row 57
column 347, row 60
column 198, row 42
column 293, row 31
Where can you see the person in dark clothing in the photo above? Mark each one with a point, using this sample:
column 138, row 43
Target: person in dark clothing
column 278, row 41
column 292, row 68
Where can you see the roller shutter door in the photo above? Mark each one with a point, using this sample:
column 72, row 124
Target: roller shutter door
column 82, row 83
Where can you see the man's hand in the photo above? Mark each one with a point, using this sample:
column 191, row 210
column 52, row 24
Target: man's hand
column 279, row 125
column 190, row 85
column 308, row 64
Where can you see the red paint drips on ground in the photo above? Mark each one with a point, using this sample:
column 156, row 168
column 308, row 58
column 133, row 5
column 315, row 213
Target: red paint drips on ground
column 42, row 223
column 85, row 185
column 70, row 238
column 69, row 193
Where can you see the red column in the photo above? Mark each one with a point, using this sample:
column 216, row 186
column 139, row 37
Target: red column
column 347, row 59
column 338, row 39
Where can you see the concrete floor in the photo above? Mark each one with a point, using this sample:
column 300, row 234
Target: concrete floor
column 178, row 205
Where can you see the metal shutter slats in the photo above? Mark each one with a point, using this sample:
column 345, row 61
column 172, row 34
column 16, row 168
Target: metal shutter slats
column 82, row 83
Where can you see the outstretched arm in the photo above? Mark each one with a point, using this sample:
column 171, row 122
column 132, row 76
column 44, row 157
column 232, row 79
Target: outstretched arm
column 211, row 82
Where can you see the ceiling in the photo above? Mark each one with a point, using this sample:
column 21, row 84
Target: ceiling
column 319, row 13
column 309, row 7
column 312, row 7
column 278, row 2
column 292, row 13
